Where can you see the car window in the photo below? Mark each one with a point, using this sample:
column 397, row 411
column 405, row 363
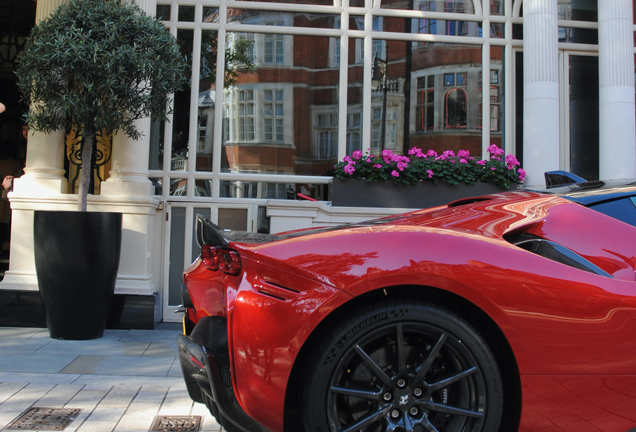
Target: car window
column 622, row 209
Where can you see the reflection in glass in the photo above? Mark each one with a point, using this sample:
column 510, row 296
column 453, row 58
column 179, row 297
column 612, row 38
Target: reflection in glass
column 254, row 189
column 157, row 184
column 577, row 10
column 291, row 19
column 156, row 146
column 497, row 7
column 446, row 94
column 206, row 102
column 210, row 14
column 276, row 120
column 355, row 89
column 163, row 12
column 178, row 187
column 186, row 13
column 181, row 119
column 452, row 6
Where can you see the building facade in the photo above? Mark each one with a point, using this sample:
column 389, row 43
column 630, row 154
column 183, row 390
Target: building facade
column 280, row 91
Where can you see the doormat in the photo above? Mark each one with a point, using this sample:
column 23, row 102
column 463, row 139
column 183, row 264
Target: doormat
column 48, row 419
column 176, row 423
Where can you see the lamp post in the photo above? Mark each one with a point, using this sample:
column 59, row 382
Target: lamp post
column 380, row 65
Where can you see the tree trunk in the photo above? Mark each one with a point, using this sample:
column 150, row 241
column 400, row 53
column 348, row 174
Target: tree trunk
column 88, row 138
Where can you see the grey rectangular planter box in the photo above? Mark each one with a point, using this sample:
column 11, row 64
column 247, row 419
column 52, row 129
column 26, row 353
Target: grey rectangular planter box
column 360, row 193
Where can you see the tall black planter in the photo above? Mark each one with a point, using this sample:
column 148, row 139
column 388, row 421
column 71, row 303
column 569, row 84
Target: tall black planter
column 76, row 260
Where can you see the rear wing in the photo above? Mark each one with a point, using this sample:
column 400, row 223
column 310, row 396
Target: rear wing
column 208, row 233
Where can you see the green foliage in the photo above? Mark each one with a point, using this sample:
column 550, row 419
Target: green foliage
column 101, row 64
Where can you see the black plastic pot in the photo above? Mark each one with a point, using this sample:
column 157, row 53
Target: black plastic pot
column 76, row 261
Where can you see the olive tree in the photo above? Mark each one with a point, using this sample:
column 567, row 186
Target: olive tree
column 98, row 65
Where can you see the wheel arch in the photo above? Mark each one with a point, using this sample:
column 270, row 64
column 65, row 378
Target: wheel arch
column 474, row 315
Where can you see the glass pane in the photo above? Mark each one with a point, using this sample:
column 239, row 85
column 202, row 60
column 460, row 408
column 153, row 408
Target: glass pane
column 497, row 30
column 157, row 134
column 355, row 90
column 578, row 10
column 578, row 35
column 178, row 187
column 233, row 219
column 203, row 188
column 452, row 6
column 496, row 94
column 205, row 212
column 272, row 114
column 181, row 120
column 163, row 12
column 584, row 112
column 206, row 103
column 156, row 183
column 210, row 14
column 289, row 19
column 446, row 96
column 252, row 189
column 517, row 31
column 177, row 252
column 186, row 13
column 497, row 7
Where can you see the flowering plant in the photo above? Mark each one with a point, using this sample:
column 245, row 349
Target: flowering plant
column 419, row 166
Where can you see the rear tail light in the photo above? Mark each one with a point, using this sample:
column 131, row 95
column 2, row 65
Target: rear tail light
column 228, row 261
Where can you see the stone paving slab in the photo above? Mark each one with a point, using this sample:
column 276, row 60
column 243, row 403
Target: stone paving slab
column 121, row 381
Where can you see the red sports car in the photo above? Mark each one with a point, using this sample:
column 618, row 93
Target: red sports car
column 506, row 312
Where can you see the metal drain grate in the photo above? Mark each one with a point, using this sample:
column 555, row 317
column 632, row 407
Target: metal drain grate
column 176, row 423
column 48, row 419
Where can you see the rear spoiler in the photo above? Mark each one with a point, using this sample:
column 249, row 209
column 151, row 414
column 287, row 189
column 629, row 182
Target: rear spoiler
column 208, row 233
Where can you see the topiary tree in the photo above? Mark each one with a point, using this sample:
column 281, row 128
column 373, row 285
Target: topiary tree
column 100, row 65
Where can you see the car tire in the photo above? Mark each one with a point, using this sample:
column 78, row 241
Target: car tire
column 444, row 379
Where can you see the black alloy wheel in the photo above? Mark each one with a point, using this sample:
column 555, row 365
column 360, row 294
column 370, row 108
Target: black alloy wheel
column 403, row 368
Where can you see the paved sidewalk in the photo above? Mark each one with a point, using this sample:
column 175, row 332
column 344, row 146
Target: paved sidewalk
column 120, row 381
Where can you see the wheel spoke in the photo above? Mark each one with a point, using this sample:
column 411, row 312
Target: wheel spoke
column 448, row 381
column 366, row 421
column 446, row 409
column 363, row 394
column 373, row 367
column 426, row 366
column 399, row 348
column 428, row 425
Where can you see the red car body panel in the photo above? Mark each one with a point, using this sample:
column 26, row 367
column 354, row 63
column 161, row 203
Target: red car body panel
column 288, row 287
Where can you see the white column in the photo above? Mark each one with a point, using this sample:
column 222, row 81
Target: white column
column 45, row 152
column 540, row 90
column 129, row 164
column 617, row 125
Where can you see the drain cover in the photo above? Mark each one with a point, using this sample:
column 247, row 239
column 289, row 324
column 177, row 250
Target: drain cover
column 177, row 423
column 49, row 419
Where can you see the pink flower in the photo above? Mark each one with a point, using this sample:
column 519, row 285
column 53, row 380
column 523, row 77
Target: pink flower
column 369, row 160
column 378, row 166
column 394, row 173
column 387, row 155
column 522, row 173
column 462, row 160
column 417, row 152
column 431, row 153
column 495, row 151
column 349, row 169
column 493, row 168
column 430, row 173
column 463, row 153
column 347, row 159
column 511, row 161
column 401, row 165
column 452, row 161
column 481, row 162
column 357, row 154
